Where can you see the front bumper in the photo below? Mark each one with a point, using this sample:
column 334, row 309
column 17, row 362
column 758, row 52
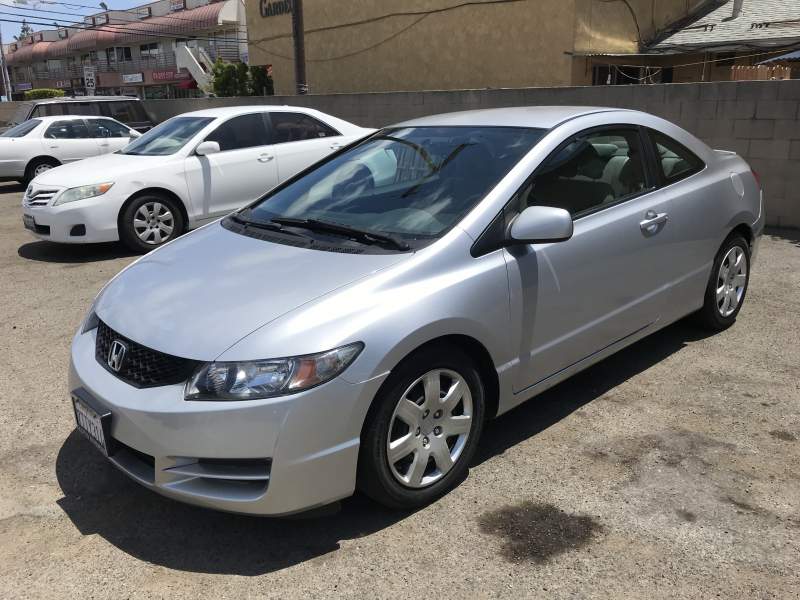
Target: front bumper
column 61, row 223
column 309, row 440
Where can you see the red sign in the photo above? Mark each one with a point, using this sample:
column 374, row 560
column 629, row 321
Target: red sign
column 170, row 75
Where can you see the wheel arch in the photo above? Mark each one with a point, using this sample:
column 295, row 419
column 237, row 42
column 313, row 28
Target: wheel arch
column 41, row 158
column 477, row 351
column 156, row 191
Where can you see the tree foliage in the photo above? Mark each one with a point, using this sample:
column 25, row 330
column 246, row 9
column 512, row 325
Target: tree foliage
column 24, row 31
column 237, row 79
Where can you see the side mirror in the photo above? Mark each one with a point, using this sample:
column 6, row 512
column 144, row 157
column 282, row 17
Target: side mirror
column 541, row 224
column 206, row 148
column 135, row 134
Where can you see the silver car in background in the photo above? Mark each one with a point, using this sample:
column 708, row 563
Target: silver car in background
column 355, row 327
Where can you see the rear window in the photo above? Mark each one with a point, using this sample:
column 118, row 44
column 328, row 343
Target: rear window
column 126, row 111
column 22, row 129
column 675, row 160
column 85, row 109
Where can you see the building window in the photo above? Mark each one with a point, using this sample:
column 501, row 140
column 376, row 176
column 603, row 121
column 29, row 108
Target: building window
column 54, row 66
column 117, row 55
column 149, row 50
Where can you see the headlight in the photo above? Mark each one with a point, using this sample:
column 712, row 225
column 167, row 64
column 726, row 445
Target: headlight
column 82, row 193
column 251, row 380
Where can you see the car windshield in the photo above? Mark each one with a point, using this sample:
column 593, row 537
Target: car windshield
column 167, row 138
column 22, row 129
column 409, row 182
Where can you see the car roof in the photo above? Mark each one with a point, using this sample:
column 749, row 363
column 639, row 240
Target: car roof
column 230, row 111
column 544, row 117
column 82, row 99
column 51, row 118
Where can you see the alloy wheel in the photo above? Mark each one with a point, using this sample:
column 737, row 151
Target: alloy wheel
column 154, row 223
column 731, row 281
column 429, row 428
column 41, row 168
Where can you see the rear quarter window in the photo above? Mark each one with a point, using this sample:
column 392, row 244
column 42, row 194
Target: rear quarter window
column 674, row 161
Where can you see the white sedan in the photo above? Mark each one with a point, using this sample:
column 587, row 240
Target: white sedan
column 37, row 145
column 186, row 172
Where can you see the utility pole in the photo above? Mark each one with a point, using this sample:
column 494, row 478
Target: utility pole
column 298, row 32
column 6, row 78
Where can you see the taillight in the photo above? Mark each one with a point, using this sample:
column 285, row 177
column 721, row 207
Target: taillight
column 757, row 177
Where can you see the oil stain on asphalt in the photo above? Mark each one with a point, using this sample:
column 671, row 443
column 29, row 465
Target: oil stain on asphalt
column 537, row 532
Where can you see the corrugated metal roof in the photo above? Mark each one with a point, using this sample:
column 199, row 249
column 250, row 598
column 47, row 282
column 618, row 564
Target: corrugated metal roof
column 790, row 57
column 762, row 23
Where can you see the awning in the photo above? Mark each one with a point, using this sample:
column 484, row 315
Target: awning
column 789, row 57
column 29, row 53
column 181, row 24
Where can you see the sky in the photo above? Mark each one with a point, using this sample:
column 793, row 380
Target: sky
column 37, row 11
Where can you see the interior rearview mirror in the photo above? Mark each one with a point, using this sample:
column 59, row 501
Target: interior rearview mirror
column 541, row 224
column 206, row 148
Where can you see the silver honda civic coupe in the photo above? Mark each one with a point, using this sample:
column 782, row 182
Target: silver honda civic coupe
column 356, row 326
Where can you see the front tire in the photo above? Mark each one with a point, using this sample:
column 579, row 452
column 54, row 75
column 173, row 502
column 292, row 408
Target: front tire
column 150, row 221
column 727, row 285
column 422, row 429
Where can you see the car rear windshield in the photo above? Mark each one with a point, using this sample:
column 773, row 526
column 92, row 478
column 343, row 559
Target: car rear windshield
column 22, row 129
column 410, row 182
column 167, row 138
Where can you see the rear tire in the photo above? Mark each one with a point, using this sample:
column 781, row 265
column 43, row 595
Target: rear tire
column 430, row 413
column 727, row 285
column 37, row 167
column 150, row 221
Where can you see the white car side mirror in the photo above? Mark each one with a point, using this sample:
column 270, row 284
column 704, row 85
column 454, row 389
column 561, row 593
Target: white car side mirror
column 541, row 224
column 135, row 134
column 206, row 148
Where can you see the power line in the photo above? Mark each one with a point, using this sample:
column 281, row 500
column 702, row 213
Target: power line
column 113, row 28
column 170, row 16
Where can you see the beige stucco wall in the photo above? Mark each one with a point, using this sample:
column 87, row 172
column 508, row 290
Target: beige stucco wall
column 513, row 44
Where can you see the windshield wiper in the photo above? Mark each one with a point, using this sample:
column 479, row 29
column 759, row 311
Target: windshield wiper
column 361, row 235
column 269, row 225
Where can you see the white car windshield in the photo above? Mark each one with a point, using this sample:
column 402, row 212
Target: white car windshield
column 22, row 129
column 167, row 138
column 410, row 182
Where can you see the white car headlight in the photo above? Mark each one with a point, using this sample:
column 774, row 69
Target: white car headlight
column 82, row 193
column 251, row 380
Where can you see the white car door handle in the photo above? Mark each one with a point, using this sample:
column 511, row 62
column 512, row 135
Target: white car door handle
column 652, row 220
column 265, row 158
column 336, row 145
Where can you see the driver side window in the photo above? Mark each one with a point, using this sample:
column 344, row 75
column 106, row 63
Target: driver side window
column 590, row 172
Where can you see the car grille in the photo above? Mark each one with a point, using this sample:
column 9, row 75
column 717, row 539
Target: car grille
column 142, row 367
column 39, row 198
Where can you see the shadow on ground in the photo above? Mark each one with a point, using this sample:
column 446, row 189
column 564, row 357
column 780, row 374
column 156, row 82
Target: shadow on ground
column 100, row 500
column 782, row 233
column 11, row 187
column 73, row 253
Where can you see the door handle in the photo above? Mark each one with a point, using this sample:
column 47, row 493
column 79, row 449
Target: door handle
column 336, row 145
column 265, row 158
column 652, row 220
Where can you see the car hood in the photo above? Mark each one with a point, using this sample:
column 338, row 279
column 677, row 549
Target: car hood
column 99, row 169
column 200, row 294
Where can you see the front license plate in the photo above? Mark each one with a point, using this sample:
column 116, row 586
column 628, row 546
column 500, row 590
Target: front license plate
column 29, row 222
column 92, row 424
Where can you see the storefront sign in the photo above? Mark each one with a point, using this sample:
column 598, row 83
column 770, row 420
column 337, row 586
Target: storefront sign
column 170, row 75
column 89, row 79
column 64, row 83
column 276, row 8
column 177, row 5
column 132, row 78
column 21, row 87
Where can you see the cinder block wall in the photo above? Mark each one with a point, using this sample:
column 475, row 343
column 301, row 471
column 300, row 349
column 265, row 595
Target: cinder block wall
column 757, row 119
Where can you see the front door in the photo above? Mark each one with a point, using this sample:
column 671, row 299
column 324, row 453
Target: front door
column 69, row 140
column 243, row 170
column 607, row 282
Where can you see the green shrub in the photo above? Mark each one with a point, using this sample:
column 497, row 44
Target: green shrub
column 40, row 93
